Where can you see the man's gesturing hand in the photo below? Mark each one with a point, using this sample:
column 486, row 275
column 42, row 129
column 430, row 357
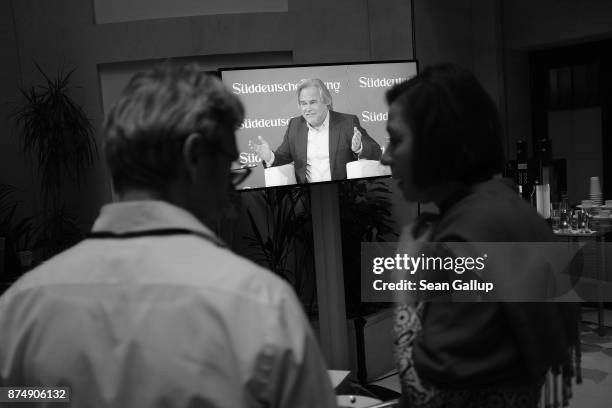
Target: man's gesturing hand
column 263, row 150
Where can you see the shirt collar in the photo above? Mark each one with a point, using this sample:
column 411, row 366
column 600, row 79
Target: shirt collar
column 323, row 126
column 135, row 216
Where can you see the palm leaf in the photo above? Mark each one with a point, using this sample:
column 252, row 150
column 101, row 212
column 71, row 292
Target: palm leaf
column 55, row 132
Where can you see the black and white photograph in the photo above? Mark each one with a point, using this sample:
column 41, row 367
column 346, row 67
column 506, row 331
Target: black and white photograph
column 290, row 204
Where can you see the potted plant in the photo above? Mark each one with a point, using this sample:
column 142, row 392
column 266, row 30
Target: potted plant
column 365, row 217
column 283, row 243
column 58, row 139
column 16, row 233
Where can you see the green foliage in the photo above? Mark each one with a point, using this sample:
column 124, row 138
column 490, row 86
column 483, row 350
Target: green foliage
column 18, row 233
column 55, row 132
column 49, row 232
column 287, row 216
column 58, row 231
column 365, row 211
column 8, row 198
column 58, row 139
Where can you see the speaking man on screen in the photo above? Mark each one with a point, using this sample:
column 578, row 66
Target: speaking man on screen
column 321, row 141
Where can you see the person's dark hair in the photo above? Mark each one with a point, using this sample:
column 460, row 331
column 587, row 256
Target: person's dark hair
column 455, row 125
column 147, row 126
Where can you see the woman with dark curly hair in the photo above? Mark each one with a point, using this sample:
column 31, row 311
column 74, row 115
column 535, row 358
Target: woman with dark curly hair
column 445, row 148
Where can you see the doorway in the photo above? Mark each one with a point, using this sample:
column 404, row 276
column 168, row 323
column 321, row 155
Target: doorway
column 571, row 90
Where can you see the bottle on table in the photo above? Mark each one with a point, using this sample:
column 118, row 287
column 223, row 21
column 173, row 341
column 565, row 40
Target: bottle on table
column 565, row 210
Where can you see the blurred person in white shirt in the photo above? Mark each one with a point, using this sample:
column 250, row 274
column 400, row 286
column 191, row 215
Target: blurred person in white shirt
column 152, row 310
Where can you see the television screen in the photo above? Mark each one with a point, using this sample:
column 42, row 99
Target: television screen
column 290, row 137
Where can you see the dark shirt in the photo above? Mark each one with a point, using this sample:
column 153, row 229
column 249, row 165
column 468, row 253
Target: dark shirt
column 471, row 345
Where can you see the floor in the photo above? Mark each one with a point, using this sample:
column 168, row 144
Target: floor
column 596, row 388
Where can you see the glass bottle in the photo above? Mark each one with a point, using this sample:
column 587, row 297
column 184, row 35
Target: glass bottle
column 533, row 197
column 566, row 212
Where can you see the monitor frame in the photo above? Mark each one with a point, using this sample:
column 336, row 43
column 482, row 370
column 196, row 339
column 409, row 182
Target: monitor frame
column 220, row 72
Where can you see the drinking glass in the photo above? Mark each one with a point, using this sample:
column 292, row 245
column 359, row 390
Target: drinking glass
column 583, row 220
column 555, row 218
column 574, row 222
column 565, row 219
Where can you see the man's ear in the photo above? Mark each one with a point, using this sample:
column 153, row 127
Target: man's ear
column 193, row 150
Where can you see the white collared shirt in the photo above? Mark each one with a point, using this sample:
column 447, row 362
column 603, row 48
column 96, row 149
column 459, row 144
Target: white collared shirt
column 173, row 321
column 317, row 152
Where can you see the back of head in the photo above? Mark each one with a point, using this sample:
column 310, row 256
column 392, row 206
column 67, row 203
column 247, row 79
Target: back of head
column 147, row 126
column 455, row 125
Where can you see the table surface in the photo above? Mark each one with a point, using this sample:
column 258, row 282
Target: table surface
column 572, row 233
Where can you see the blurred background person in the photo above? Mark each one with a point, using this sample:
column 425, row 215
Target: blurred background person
column 153, row 310
column 321, row 141
column 445, row 148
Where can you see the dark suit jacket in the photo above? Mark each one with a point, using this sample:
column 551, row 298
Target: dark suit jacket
column 293, row 148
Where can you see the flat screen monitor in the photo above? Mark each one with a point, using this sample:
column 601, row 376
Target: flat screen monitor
column 306, row 151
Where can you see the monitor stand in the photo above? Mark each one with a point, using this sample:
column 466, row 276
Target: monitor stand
column 329, row 274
